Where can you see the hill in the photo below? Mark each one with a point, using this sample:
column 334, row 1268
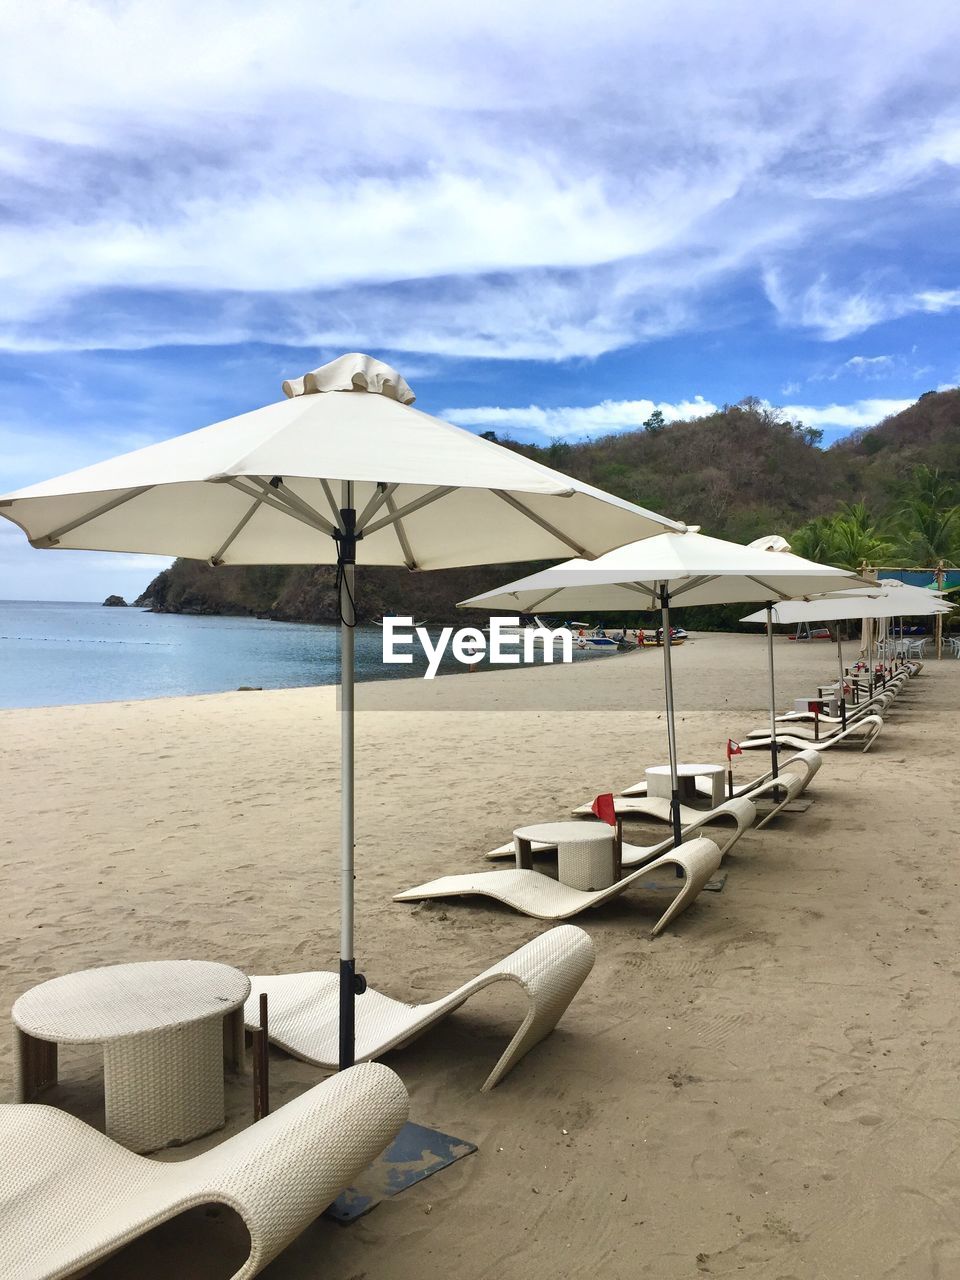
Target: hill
column 743, row 471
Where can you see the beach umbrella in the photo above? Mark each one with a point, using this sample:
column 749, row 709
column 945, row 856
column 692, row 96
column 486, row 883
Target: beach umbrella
column 671, row 569
column 887, row 598
column 342, row 471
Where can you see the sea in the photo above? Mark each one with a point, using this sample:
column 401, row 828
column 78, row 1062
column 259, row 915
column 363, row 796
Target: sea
column 58, row 653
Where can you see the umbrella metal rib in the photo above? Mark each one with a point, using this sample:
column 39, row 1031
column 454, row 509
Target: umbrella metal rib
column 544, row 524
column 53, row 537
column 217, row 558
column 416, row 505
column 409, row 559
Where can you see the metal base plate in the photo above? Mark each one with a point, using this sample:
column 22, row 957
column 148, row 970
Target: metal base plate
column 670, row 886
column 800, row 805
column 415, row 1153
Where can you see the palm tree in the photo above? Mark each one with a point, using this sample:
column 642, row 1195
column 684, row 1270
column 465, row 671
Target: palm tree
column 847, row 539
column 929, row 520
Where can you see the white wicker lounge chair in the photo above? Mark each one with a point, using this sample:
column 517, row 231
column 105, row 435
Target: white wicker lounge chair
column 737, row 816
column 741, row 812
column 70, row 1196
column 304, row 1009
column 876, row 705
column 803, row 764
column 862, row 733
column 538, row 895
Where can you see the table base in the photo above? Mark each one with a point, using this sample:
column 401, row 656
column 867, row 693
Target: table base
column 161, row 1089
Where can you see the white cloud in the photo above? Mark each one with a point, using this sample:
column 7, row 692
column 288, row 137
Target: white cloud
column 839, row 311
column 869, row 366
column 848, row 417
column 269, row 172
column 610, row 416
column 581, row 420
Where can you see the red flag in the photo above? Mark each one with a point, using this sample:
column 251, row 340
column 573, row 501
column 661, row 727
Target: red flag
column 605, row 809
column 733, row 748
column 814, row 707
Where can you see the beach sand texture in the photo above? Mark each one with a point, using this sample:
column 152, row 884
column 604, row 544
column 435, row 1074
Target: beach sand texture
column 767, row 1090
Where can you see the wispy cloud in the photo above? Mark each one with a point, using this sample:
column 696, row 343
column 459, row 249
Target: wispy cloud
column 579, row 421
column 869, row 366
column 611, row 416
column 838, row 311
column 227, row 172
column 846, row 417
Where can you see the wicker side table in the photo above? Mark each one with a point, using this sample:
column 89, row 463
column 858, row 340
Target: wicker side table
column 586, row 851
column 165, row 1026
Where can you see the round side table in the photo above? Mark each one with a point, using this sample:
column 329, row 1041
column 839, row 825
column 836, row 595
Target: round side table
column 586, row 857
column 165, row 1027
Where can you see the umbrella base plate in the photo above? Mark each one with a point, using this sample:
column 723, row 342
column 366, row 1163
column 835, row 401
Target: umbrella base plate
column 800, row 805
column 670, row 886
column 417, row 1152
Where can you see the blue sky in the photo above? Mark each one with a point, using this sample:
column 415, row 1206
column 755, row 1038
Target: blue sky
column 549, row 216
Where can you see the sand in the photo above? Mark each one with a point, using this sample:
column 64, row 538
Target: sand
column 768, row 1090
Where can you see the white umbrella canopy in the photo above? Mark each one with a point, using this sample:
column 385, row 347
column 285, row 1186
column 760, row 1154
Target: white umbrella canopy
column 686, row 568
column 692, row 568
column 265, row 488
column 343, row 471
column 876, row 604
column 887, row 598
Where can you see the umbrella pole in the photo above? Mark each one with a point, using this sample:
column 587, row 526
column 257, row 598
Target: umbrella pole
column 346, row 566
column 671, row 724
column 773, row 694
column 843, row 699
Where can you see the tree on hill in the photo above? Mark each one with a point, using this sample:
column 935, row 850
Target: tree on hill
column 847, row 539
column 929, row 520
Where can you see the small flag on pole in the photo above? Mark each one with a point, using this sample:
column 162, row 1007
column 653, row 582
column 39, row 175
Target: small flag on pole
column 605, row 809
column 733, row 749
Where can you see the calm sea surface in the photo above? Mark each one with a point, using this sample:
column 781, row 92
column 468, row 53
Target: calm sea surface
column 52, row 654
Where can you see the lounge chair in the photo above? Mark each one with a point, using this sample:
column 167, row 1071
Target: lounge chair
column 877, row 705
column 742, row 813
column 803, row 764
column 304, row 1008
column 862, row 733
column 538, row 895
column 70, row 1196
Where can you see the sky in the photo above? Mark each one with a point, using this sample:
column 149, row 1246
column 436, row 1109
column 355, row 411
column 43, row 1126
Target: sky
column 551, row 217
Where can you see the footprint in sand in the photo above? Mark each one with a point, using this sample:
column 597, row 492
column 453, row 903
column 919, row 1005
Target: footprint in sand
column 852, row 1102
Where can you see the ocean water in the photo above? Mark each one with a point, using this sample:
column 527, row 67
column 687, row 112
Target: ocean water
column 54, row 654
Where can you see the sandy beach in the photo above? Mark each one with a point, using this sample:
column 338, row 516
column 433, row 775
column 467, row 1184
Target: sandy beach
column 768, row 1090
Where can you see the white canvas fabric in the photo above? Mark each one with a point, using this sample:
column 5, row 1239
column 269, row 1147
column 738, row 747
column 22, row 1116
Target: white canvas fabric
column 354, row 372
column 262, row 488
column 694, row 568
column 910, row 602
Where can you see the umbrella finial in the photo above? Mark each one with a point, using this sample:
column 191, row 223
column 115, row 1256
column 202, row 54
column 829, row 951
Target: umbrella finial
column 352, row 372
